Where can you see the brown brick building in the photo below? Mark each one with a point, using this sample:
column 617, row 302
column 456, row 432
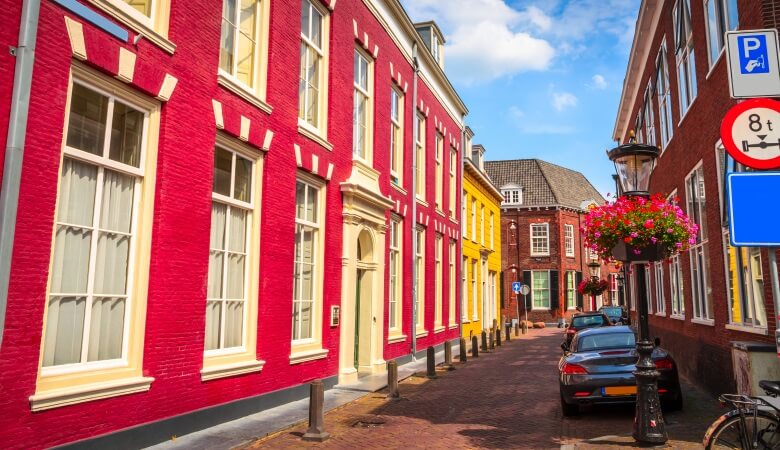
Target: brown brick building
column 675, row 94
column 540, row 237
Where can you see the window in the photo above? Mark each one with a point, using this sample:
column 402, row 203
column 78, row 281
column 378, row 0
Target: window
column 363, row 109
column 313, row 68
column 474, row 219
column 694, row 193
column 676, row 287
column 149, row 17
column 396, row 277
column 439, row 175
column 686, row 63
column 474, row 315
column 613, row 289
column 463, row 215
column 568, row 232
column 648, row 287
column 419, row 279
column 491, row 230
column 649, row 116
column 540, row 285
column 452, row 281
column 571, row 290
column 512, row 196
column 482, row 224
column 453, row 174
column 464, row 293
column 396, row 136
column 722, row 16
column 664, row 98
column 658, row 274
column 419, row 158
column 307, row 275
column 490, row 304
column 101, row 241
column 483, row 278
column 242, row 49
column 439, row 273
column 540, row 239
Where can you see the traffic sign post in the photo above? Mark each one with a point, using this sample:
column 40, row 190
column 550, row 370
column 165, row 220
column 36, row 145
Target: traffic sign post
column 750, row 132
column 525, row 290
column 754, row 69
column 516, row 287
column 752, row 221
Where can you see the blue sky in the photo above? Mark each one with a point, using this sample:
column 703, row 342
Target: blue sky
column 541, row 78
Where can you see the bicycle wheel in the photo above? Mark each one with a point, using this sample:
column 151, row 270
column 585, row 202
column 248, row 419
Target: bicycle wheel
column 730, row 435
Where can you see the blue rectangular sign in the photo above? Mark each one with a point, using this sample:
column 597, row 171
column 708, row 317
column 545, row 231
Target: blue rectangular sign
column 754, row 215
column 516, row 287
column 753, row 54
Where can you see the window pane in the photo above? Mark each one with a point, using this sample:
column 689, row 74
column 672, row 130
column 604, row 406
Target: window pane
column 242, row 189
column 116, row 211
column 316, row 27
column 70, row 264
column 238, row 225
column 228, row 36
column 113, row 251
column 216, row 265
column 213, row 320
column 246, row 42
column 106, row 329
column 305, row 17
column 733, row 14
column 223, row 161
column 77, row 193
column 87, row 120
column 311, row 204
column 218, row 219
column 64, row 328
column 126, row 135
column 234, row 324
column 300, row 201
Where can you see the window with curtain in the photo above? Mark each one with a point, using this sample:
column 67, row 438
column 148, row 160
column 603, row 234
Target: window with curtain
column 540, row 239
column 662, row 90
column 361, row 116
column 571, row 290
column 699, row 255
column 439, row 172
column 439, row 268
column 310, row 84
column 307, row 285
column 540, row 289
column 394, row 309
column 568, row 231
column 89, row 299
column 658, row 274
column 231, row 218
column 452, row 280
column 419, row 279
column 419, row 158
column 239, row 42
column 722, row 16
column 453, row 175
column 686, row 61
column 396, row 136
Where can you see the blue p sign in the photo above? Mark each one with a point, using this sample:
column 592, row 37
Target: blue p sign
column 753, row 54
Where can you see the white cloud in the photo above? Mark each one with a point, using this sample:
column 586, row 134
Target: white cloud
column 518, row 118
column 563, row 100
column 599, row 82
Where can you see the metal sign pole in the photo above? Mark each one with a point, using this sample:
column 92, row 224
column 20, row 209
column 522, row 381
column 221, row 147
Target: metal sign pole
column 775, row 291
column 525, row 306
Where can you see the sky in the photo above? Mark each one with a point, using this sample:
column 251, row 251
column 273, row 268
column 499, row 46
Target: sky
column 541, row 78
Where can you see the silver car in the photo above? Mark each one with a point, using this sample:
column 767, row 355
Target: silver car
column 598, row 367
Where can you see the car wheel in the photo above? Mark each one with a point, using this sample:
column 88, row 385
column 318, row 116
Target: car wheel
column 569, row 410
column 675, row 404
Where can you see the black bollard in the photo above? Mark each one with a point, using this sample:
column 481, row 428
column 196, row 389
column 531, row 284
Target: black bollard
column 492, row 339
column 474, row 347
column 431, row 360
column 525, row 327
column 448, row 356
column 316, row 431
column 462, row 350
column 498, row 337
column 517, row 329
column 484, row 344
column 508, row 332
column 392, row 379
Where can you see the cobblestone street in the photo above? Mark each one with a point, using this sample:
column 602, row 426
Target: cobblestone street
column 504, row 399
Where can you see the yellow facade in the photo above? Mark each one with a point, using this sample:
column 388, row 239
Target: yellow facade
column 481, row 273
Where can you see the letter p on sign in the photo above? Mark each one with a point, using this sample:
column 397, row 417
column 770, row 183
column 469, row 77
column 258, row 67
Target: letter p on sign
column 753, row 54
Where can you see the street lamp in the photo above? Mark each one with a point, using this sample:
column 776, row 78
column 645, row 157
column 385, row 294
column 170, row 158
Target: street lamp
column 594, row 268
column 634, row 164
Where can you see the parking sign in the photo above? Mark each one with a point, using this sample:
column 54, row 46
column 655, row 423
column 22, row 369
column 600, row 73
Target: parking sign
column 754, row 70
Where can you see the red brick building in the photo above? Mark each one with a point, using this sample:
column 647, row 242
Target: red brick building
column 540, row 238
column 218, row 204
column 675, row 95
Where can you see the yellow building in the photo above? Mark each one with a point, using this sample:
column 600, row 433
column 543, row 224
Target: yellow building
column 480, row 302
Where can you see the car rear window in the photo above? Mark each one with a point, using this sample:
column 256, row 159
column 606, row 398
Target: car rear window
column 617, row 312
column 585, row 321
column 606, row 341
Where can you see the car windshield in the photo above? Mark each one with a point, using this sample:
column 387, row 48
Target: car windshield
column 612, row 312
column 587, row 321
column 605, row 341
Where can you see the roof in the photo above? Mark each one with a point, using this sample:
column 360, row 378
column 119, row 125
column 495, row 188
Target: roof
column 482, row 178
column 544, row 183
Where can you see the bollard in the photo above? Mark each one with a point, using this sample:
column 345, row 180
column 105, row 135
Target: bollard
column 448, row 356
column 484, row 345
column 498, row 337
column 492, row 339
column 316, row 431
column 525, row 327
column 431, row 360
column 474, row 347
column 508, row 332
column 517, row 329
column 462, row 350
column 392, row 379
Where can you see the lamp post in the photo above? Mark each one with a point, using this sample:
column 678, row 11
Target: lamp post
column 513, row 228
column 594, row 268
column 634, row 164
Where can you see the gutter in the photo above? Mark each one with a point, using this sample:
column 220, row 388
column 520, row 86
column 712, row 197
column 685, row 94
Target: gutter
column 14, row 151
column 413, row 190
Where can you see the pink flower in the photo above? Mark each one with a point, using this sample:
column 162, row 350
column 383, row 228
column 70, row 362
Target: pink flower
column 692, row 241
column 669, row 230
column 678, row 244
column 653, row 239
column 649, row 223
column 597, row 234
column 634, row 234
column 637, row 251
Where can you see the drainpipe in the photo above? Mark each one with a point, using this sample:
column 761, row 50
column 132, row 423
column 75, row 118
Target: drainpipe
column 14, row 151
column 459, row 171
column 415, row 131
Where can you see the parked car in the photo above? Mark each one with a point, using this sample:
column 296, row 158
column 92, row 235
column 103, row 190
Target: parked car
column 618, row 315
column 580, row 321
column 599, row 365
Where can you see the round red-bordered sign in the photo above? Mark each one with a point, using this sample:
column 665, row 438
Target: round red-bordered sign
column 750, row 132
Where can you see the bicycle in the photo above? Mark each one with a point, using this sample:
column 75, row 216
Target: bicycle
column 753, row 422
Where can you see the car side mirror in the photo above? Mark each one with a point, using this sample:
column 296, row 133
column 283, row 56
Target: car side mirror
column 657, row 341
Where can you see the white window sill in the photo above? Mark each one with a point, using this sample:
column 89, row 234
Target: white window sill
column 475, row 319
column 685, row 114
column 398, row 188
column 453, row 326
column 440, row 212
column 421, row 201
column 533, row 308
column 395, row 338
column 229, row 370
column 311, row 133
column 708, row 322
column 139, row 27
column 677, row 316
column 422, row 333
column 453, row 219
column 661, row 314
column 88, row 392
column 244, row 92
column 540, row 254
column 439, row 329
column 465, row 320
column 747, row 329
column 308, row 355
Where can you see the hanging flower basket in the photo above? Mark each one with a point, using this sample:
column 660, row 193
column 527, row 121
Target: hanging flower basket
column 638, row 229
column 593, row 287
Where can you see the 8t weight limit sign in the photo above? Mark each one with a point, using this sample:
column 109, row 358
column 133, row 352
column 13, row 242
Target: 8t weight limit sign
column 750, row 132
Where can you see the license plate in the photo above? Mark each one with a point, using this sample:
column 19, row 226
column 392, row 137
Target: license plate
column 619, row 390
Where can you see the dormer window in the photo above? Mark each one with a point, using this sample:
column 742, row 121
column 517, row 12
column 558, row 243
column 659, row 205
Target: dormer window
column 513, row 195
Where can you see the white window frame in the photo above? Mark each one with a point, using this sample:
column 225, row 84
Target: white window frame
column 698, row 253
column 482, row 224
column 663, row 91
column 154, row 27
column 649, row 115
column 534, row 291
column 396, row 136
column 317, row 130
column 649, row 288
column 439, row 173
column 676, row 283
column 726, row 19
column 540, row 239
column 658, row 279
column 568, row 231
column 453, row 183
column 419, row 281
column 474, row 311
column 419, row 156
column 464, row 223
column 473, row 219
column 484, row 291
column 365, row 152
column 512, row 196
column 571, row 289
column 452, row 280
column 687, row 86
column 395, row 304
column 439, row 274
column 464, row 294
column 491, row 230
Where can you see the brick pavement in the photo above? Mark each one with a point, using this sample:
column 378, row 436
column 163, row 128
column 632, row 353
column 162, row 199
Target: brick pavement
column 505, row 399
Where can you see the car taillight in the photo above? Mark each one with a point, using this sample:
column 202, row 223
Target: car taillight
column 573, row 369
column 664, row 363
